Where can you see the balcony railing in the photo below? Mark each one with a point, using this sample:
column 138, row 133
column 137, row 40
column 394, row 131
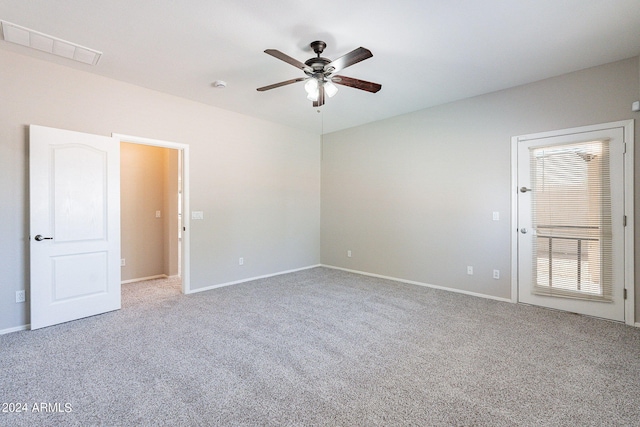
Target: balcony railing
column 579, row 250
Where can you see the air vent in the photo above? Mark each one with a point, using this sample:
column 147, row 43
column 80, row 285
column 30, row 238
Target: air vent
column 26, row 37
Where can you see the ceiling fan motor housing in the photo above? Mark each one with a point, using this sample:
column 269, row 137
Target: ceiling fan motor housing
column 317, row 64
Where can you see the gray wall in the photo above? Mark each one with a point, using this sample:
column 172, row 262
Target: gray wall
column 258, row 183
column 412, row 196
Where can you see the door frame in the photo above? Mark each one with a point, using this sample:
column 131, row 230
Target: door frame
column 185, row 259
column 629, row 250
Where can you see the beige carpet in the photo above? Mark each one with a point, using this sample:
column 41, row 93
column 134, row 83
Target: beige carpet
column 324, row 348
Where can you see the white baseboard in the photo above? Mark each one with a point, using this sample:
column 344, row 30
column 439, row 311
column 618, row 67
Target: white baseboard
column 208, row 288
column 428, row 285
column 16, row 329
column 141, row 279
column 637, row 325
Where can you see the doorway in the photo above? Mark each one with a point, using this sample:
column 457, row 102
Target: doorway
column 572, row 245
column 149, row 214
column 160, row 238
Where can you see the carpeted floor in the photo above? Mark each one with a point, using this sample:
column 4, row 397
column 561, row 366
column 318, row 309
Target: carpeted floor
column 322, row 347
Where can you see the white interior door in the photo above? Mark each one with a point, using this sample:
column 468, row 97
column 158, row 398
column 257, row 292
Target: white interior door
column 74, row 225
column 571, row 222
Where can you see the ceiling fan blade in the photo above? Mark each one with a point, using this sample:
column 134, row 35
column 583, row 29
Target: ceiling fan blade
column 320, row 101
column 289, row 60
column 275, row 85
column 356, row 83
column 353, row 57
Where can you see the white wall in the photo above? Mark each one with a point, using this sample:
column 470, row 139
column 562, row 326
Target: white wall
column 412, row 196
column 258, row 183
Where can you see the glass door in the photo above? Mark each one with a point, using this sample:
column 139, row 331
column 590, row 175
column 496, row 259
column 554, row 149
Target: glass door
column 570, row 223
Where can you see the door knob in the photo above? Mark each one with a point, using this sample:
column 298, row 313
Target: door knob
column 40, row 238
column 523, row 230
column 524, row 189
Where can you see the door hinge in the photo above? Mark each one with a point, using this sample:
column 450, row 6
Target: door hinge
column 625, row 293
column 624, row 221
column 624, row 148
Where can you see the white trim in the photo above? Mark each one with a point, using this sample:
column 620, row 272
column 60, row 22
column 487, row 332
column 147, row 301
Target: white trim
column 142, row 279
column 629, row 235
column 514, row 219
column 428, row 285
column 185, row 252
column 637, row 325
column 280, row 273
column 572, row 131
column 15, row 329
column 149, row 141
column 628, row 131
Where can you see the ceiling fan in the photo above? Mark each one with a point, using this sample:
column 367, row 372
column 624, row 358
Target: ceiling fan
column 321, row 73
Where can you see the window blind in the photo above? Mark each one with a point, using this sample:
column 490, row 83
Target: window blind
column 571, row 216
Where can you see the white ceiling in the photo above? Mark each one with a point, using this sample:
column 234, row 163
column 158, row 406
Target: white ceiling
column 425, row 52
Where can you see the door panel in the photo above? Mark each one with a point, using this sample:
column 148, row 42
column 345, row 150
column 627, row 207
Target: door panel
column 80, row 275
column 75, row 209
column 571, row 239
column 80, row 175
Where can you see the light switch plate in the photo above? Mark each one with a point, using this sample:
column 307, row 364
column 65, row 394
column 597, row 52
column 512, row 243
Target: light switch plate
column 197, row 215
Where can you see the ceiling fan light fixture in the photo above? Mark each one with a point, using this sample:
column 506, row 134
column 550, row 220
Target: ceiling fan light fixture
column 313, row 96
column 312, row 89
column 311, row 85
column 330, row 89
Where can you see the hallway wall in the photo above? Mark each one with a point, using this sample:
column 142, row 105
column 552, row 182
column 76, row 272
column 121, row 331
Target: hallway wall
column 148, row 183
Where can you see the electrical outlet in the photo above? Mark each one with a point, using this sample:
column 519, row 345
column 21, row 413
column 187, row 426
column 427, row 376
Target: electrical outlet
column 496, row 274
column 469, row 270
column 20, row 296
column 158, row 214
column 496, row 216
column 349, row 254
column 122, row 263
column 240, row 261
